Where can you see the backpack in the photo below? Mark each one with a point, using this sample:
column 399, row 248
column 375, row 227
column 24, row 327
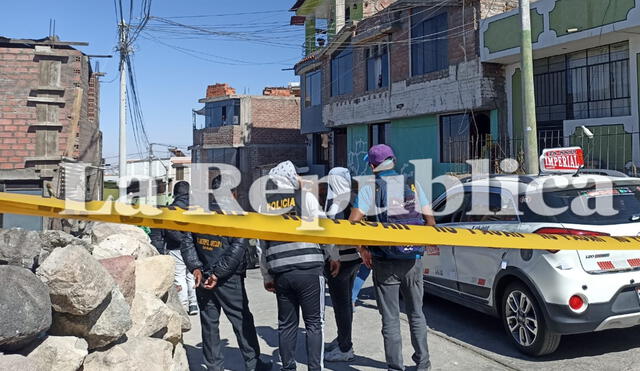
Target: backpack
column 399, row 211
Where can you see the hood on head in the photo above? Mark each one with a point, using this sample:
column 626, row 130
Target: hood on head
column 339, row 180
column 285, row 175
column 338, row 192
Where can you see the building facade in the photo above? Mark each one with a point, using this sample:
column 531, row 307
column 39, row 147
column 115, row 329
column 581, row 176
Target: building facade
column 404, row 73
column 153, row 176
column 586, row 70
column 49, row 116
column 251, row 132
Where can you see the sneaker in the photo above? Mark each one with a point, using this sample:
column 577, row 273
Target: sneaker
column 336, row 355
column 331, row 346
column 264, row 365
column 193, row 310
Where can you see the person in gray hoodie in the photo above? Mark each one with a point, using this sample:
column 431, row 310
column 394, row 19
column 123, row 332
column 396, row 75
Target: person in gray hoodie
column 338, row 206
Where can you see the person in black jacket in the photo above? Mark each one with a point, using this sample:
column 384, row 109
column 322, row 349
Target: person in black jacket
column 219, row 266
column 168, row 242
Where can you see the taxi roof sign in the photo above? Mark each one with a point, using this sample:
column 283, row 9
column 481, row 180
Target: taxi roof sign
column 561, row 160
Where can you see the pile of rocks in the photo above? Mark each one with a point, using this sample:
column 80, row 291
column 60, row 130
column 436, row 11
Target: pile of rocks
column 103, row 302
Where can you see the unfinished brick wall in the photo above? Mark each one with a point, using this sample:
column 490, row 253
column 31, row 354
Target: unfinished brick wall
column 489, row 8
column 18, row 75
column 220, row 90
column 221, row 136
column 281, row 91
column 371, row 7
column 275, row 112
column 38, row 89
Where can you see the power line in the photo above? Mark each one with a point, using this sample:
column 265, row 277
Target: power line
column 230, row 14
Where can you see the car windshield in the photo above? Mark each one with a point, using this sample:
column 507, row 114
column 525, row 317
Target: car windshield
column 578, row 205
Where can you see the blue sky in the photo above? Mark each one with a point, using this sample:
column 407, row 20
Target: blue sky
column 170, row 82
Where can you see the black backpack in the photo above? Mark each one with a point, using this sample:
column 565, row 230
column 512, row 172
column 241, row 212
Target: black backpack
column 398, row 211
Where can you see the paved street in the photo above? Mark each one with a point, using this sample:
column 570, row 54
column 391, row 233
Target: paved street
column 459, row 339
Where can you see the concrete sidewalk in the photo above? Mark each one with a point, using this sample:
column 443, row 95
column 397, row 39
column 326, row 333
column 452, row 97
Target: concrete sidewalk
column 446, row 353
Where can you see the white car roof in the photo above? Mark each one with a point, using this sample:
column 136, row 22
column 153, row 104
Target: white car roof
column 519, row 184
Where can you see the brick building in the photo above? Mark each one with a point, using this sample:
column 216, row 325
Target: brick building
column 49, row 115
column 404, row 72
column 251, row 132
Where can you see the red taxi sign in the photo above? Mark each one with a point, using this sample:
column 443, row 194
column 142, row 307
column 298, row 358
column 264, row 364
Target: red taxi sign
column 561, row 160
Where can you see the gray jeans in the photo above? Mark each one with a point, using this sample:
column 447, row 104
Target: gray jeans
column 184, row 279
column 390, row 277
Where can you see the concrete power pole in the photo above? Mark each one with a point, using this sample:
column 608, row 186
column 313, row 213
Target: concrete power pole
column 530, row 144
column 122, row 163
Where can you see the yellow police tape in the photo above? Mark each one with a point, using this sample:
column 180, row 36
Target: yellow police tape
column 283, row 228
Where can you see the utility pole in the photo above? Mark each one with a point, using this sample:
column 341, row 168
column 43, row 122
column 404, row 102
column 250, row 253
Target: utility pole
column 124, row 50
column 528, row 95
column 151, row 178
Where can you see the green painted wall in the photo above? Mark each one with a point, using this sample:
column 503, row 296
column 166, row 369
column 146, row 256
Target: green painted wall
column 308, row 7
column 586, row 14
column 356, row 13
column 417, row 138
column 310, row 35
column 503, row 34
column 610, row 147
column 494, row 117
column 357, row 147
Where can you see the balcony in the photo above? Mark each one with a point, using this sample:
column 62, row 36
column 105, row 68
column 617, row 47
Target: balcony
column 219, row 137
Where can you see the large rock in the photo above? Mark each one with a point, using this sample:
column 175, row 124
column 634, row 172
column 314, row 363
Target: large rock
column 60, row 353
column 173, row 302
column 101, row 231
column 53, row 239
column 180, row 360
column 139, row 354
column 150, row 316
column 16, row 362
column 20, row 247
column 25, row 307
column 122, row 244
column 173, row 332
column 155, row 275
column 123, row 271
column 102, row 326
column 77, row 282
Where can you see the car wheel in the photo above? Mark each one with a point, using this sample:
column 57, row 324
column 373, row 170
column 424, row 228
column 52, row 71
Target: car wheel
column 525, row 323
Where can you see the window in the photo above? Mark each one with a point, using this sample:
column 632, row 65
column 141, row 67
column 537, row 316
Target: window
column 379, row 134
column 429, row 43
column 342, row 72
column 321, row 147
column 451, row 216
column 463, row 137
column 222, row 113
column 501, row 208
column 590, row 83
column 312, row 89
column 236, row 112
column 377, row 67
column 180, row 173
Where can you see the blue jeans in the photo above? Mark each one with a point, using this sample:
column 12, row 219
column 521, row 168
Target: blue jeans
column 362, row 276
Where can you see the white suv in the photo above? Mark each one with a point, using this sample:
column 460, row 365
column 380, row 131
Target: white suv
column 541, row 295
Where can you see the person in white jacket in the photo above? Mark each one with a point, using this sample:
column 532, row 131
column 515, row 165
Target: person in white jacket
column 337, row 206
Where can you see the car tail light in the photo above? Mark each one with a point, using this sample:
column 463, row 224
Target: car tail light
column 577, row 303
column 574, row 232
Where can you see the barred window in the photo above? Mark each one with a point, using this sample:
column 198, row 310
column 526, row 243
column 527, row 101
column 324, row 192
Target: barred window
column 590, row 83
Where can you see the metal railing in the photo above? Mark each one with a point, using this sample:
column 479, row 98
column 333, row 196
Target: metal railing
column 608, row 148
